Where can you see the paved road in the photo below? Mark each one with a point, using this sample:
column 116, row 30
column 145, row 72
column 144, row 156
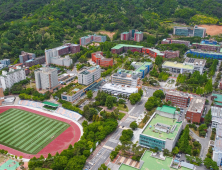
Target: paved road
column 102, row 154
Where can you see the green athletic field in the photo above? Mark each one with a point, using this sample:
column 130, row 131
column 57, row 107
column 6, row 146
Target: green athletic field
column 28, row 132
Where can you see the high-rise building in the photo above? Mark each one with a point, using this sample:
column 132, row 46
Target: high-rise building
column 89, row 75
column 13, row 76
column 53, row 56
column 132, row 35
column 46, row 78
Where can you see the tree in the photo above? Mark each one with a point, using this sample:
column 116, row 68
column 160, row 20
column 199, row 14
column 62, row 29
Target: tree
column 184, row 140
column 59, row 163
column 126, row 135
column 159, row 94
column 158, row 60
column 209, row 163
column 109, row 102
column 89, row 94
column 103, row 167
column 140, row 92
column 208, row 118
column 175, row 150
column 133, row 125
column 134, row 98
column 77, row 162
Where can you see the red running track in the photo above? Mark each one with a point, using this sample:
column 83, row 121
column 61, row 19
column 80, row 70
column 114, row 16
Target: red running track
column 69, row 136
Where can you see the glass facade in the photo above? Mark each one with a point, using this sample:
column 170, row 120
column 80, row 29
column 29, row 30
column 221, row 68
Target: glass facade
column 151, row 142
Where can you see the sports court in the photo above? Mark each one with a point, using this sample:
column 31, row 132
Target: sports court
column 28, row 132
column 9, row 165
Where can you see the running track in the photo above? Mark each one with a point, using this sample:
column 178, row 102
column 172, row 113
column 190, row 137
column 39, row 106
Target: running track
column 69, row 136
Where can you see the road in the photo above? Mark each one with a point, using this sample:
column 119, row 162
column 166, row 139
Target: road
column 102, row 152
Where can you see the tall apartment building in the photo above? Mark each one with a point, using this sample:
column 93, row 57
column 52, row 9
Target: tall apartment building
column 6, row 62
column 26, row 56
column 188, row 31
column 52, row 56
column 132, row 35
column 13, row 76
column 92, row 38
column 90, row 75
column 46, row 78
column 162, row 130
column 98, row 58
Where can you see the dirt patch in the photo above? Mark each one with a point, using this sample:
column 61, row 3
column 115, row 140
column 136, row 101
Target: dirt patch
column 212, row 29
column 110, row 34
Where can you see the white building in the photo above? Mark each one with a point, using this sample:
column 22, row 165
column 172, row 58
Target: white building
column 46, row 78
column 89, row 75
column 217, row 152
column 190, row 65
column 61, row 61
column 119, row 89
column 13, row 76
column 216, row 113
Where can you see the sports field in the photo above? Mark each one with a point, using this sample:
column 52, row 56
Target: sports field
column 28, row 132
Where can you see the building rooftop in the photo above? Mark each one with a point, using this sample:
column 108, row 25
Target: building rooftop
column 118, row 46
column 90, row 70
column 207, row 44
column 157, row 120
column 195, row 61
column 155, row 51
column 167, row 109
column 151, row 163
column 125, row 32
column 216, row 111
column 177, row 93
column 178, row 65
column 120, row 88
column 206, row 52
column 218, row 97
column 138, row 32
column 197, row 104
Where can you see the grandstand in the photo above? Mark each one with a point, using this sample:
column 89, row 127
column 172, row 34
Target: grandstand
column 31, row 104
column 68, row 113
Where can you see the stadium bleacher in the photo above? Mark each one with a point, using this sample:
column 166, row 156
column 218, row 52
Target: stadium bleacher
column 31, row 103
column 68, row 113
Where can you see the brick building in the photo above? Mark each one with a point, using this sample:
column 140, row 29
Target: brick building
column 170, row 41
column 134, row 35
column 178, row 98
column 208, row 47
column 120, row 48
column 32, row 62
column 98, row 58
column 125, row 36
column 26, row 56
column 153, row 52
column 195, row 109
column 171, row 54
column 138, row 36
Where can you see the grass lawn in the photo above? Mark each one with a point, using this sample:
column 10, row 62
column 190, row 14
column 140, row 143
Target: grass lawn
column 121, row 115
column 121, row 107
column 28, row 132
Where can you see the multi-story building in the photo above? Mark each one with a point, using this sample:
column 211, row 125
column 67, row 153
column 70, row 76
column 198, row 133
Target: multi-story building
column 6, row 62
column 119, row 89
column 217, row 99
column 153, row 52
column 208, row 47
column 26, row 56
column 190, row 65
column 171, row 54
column 170, row 41
column 178, row 98
column 52, row 56
column 162, row 130
column 138, row 36
column 120, row 48
column 125, row 36
column 188, row 31
column 7, row 79
column 216, row 113
column 98, row 58
column 125, row 77
column 212, row 42
column 196, row 109
column 142, row 68
column 46, row 79
column 205, row 54
column 217, row 151
column 92, row 38
column 89, row 75
column 32, row 62
column 220, row 85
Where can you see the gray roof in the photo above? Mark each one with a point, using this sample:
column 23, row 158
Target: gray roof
column 187, row 165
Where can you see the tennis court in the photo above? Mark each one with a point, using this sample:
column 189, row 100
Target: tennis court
column 28, row 132
column 9, row 165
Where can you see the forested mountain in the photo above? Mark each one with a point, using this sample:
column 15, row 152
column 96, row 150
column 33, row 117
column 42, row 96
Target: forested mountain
column 34, row 25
